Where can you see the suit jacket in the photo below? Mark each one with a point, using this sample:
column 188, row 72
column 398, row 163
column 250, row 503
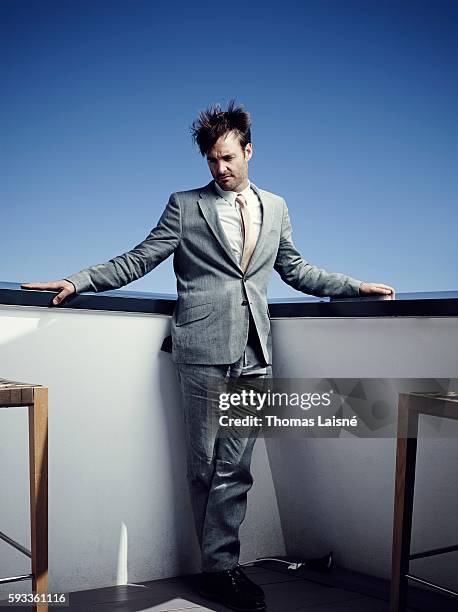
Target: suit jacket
column 211, row 318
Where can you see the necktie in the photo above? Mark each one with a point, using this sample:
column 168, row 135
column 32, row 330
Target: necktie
column 247, row 229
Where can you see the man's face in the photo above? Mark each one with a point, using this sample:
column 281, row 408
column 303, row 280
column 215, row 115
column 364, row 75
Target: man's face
column 228, row 162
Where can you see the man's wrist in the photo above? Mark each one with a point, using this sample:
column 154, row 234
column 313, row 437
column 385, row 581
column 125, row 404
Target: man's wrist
column 69, row 281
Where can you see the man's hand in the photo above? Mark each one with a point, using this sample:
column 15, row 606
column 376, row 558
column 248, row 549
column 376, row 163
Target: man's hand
column 64, row 287
column 374, row 288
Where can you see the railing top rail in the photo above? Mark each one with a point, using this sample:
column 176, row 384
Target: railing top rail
column 430, row 304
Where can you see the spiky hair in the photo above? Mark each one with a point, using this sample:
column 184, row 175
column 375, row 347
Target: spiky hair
column 213, row 122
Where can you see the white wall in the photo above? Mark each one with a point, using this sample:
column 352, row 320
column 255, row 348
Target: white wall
column 119, row 509
column 338, row 493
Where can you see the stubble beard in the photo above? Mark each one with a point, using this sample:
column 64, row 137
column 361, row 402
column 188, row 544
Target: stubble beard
column 235, row 183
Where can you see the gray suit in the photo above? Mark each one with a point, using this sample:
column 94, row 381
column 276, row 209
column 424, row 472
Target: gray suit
column 211, row 319
column 218, row 306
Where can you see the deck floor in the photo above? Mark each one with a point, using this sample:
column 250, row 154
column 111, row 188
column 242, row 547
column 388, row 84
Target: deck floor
column 286, row 591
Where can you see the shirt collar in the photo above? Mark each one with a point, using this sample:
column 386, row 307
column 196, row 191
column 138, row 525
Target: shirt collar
column 230, row 196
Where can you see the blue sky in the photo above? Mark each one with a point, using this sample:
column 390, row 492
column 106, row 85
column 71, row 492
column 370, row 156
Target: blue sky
column 354, row 106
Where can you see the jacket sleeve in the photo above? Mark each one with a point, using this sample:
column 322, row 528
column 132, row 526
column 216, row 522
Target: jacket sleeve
column 124, row 269
column 305, row 277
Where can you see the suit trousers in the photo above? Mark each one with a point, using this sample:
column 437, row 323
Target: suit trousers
column 218, row 464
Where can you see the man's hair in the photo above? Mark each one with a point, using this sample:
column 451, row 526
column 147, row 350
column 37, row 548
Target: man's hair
column 213, row 122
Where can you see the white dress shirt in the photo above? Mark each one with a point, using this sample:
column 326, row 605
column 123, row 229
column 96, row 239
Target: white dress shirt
column 231, row 219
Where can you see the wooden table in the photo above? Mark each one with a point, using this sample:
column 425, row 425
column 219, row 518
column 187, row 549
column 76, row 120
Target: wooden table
column 410, row 406
column 35, row 397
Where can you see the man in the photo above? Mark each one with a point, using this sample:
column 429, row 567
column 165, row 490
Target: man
column 226, row 238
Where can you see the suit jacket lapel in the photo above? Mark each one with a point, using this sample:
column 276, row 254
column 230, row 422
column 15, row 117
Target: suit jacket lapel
column 267, row 220
column 206, row 202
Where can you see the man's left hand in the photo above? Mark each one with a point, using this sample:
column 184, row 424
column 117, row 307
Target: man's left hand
column 374, row 288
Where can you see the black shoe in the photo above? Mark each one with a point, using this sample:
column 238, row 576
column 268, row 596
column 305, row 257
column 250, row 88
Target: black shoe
column 233, row 589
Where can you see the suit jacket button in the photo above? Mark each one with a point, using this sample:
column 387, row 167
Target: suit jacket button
column 244, row 303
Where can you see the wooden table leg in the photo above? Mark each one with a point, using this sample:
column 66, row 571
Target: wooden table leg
column 406, row 453
column 38, row 461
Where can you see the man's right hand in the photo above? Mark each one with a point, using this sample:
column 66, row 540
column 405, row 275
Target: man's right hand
column 64, row 288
